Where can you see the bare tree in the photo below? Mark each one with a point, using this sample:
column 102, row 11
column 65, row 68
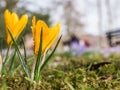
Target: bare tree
column 109, row 14
column 99, row 7
column 70, row 16
column 8, row 4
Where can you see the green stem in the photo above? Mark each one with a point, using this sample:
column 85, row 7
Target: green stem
column 6, row 57
column 5, row 60
column 33, row 69
column 25, row 67
column 42, row 60
column 12, row 62
column 39, row 58
column 48, row 58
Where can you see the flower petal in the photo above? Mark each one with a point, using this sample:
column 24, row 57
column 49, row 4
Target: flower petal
column 14, row 25
column 54, row 31
column 10, row 19
column 49, row 35
column 39, row 26
column 14, row 20
column 33, row 25
column 7, row 17
column 19, row 26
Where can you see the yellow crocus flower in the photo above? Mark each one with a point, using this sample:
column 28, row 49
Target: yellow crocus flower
column 49, row 34
column 14, row 24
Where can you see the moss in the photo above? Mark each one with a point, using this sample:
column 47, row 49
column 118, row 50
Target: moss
column 70, row 72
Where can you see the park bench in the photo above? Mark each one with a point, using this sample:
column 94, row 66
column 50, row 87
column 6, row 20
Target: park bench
column 113, row 38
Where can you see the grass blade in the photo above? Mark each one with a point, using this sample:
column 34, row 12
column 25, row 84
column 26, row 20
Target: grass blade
column 19, row 66
column 6, row 57
column 20, row 56
column 25, row 54
column 36, row 72
column 69, row 85
column 12, row 62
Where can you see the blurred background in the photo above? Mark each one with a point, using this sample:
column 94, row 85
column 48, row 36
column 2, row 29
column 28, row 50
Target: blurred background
column 83, row 21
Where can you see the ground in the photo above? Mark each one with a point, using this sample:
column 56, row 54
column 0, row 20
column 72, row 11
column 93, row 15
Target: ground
column 90, row 71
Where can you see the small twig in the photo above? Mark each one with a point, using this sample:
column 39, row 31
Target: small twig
column 43, row 60
column 96, row 66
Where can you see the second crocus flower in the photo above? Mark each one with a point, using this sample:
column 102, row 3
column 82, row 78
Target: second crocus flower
column 49, row 35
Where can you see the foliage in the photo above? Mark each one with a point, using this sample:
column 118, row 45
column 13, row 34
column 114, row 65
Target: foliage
column 72, row 72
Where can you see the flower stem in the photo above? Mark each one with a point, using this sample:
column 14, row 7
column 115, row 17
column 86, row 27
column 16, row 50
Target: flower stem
column 33, row 68
column 5, row 60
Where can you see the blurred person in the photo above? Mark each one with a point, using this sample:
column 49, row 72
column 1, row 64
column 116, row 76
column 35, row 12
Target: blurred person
column 77, row 46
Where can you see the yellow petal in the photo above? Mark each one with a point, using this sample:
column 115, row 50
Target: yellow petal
column 20, row 25
column 8, row 38
column 50, row 39
column 33, row 25
column 14, row 20
column 8, row 23
column 10, row 19
column 14, row 25
column 7, row 17
column 49, row 36
column 39, row 26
